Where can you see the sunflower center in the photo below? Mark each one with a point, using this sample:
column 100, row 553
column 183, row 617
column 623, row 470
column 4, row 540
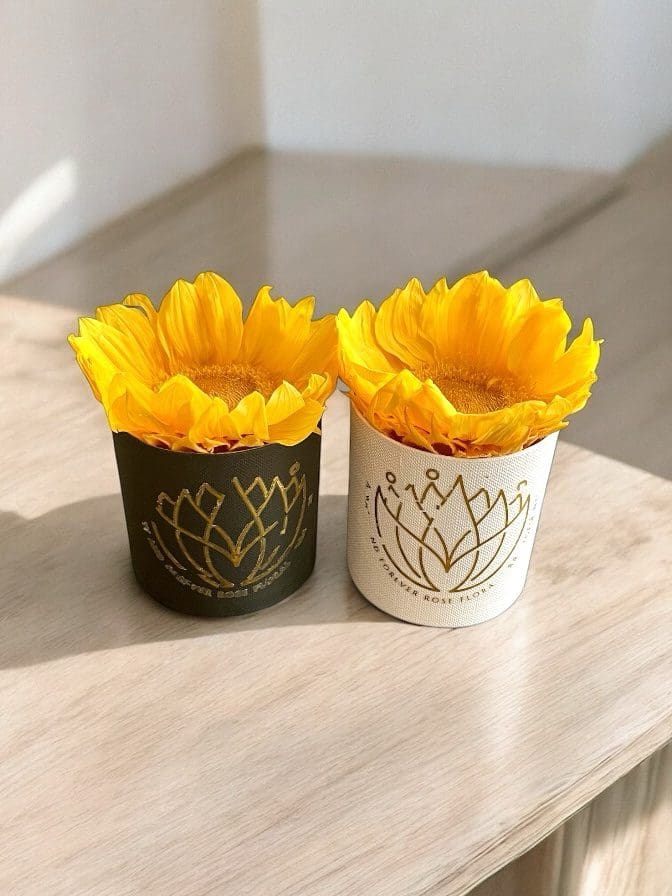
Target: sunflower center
column 232, row 382
column 472, row 392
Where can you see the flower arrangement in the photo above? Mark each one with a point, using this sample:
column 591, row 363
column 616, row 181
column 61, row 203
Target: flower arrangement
column 472, row 370
column 457, row 396
column 194, row 376
column 215, row 422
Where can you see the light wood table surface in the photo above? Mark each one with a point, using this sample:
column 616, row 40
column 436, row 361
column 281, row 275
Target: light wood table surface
column 319, row 748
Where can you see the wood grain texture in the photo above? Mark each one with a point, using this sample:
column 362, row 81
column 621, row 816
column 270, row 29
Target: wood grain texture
column 618, row 845
column 319, row 748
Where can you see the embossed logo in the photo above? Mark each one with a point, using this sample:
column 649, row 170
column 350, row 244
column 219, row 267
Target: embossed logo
column 442, row 538
column 234, row 539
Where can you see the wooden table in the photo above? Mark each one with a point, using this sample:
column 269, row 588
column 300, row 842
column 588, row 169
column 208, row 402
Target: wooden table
column 320, row 747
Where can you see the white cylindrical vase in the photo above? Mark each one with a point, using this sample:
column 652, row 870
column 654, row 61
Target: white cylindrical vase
column 438, row 540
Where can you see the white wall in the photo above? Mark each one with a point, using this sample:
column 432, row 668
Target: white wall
column 635, row 49
column 106, row 104
column 578, row 83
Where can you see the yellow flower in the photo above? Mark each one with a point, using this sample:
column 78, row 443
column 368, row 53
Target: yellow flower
column 469, row 370
column 193, row 376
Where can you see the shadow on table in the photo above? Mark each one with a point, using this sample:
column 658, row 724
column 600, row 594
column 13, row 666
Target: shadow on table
column 68, row 588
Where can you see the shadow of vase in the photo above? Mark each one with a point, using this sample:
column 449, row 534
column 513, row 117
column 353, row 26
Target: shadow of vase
column 69, row 587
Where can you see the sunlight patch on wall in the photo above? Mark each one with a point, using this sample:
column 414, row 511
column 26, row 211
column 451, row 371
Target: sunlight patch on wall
column 34, row 208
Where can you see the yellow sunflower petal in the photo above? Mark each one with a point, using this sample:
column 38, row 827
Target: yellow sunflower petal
column 318, row 387
column 143, row 303
column 222, row 313
column 275, row 331
column 124, row 350
column 363, row 365
column 284, row 401
column 387, row 407
column 94, row 364
column 132, row 321
column 474, row 321
column 179, row 402
column 573, row 372
column 130, row 408
column 398, row 328
column 249, row 416
column 358, row 343
column 165, row 414
column 541, row 339
column 317, row 356
column 192, row 376
column 215, row 427
column 297, row 426
column 474, row 370
column 200, row 323
column 441, row 312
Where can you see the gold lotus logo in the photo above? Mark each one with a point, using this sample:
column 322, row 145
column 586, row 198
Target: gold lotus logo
column 445, row 539
column 195, row 531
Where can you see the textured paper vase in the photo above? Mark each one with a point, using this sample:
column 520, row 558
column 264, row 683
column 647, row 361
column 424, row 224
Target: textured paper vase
column 220, row 534
column 440, row 540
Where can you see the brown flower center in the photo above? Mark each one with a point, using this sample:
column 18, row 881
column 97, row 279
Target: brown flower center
column 472, row 392
column 231, row 382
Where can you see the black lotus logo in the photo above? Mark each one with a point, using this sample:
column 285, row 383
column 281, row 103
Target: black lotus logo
column 445, row 539
column 233, row 539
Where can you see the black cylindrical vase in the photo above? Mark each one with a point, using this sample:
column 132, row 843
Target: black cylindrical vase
column 220, row 534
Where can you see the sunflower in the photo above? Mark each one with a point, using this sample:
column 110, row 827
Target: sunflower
column 471, row 370
column 193, row 376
